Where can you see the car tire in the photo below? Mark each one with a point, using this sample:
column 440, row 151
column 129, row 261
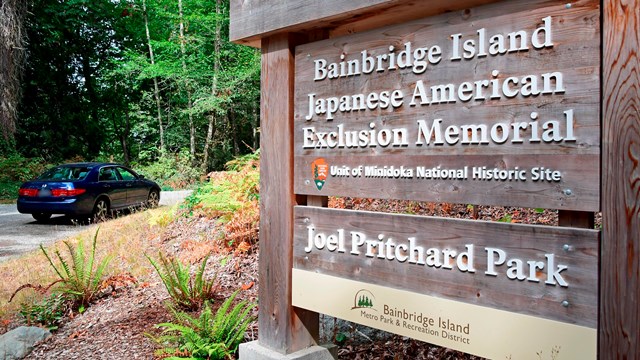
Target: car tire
column 153, row 199
column 41, row 217
column 100, row 210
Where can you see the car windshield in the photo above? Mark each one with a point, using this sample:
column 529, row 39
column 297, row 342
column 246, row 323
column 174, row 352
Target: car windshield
column 65, row 173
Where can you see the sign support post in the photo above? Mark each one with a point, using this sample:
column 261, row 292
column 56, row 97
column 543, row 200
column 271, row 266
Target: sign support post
column 285, row 332
column 620, row 253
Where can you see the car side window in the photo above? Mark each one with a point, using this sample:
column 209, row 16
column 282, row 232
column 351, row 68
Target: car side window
column 107, row 174
column 126, row 174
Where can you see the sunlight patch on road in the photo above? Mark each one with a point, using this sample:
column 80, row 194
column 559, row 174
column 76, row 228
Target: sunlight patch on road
column 11, row 213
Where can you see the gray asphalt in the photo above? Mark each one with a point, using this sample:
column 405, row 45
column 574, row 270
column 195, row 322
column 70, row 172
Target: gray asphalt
column 19, row 233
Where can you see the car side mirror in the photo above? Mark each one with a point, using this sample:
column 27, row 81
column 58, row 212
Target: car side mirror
column 141, row 176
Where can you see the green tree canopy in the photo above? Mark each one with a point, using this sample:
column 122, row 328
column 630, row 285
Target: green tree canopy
column 133, row 79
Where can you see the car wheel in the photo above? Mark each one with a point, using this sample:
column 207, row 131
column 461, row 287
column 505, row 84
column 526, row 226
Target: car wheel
column 100, row 210
column 153, row 200
column 41, row 217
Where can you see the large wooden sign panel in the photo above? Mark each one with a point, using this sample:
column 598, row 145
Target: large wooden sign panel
column 495, row 105
column 522, row 268
column 512, row 275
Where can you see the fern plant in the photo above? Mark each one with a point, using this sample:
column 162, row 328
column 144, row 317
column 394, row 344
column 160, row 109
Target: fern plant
column 77, row 276
column 208, row 336
column 232, row 197
column 186, row 291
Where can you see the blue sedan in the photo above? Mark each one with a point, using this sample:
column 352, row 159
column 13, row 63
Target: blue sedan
column 85, row 190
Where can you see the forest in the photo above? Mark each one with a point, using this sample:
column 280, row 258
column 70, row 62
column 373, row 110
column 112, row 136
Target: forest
column 154, row 84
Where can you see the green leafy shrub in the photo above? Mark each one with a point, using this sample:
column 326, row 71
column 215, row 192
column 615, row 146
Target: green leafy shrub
column 207, row 336
column 9, row 190
column 48, row 313
column 232, row 196
column 77, row 277
column 229, row 190
column 186, row 291
column 14, row 170
column 172, row 171
column 18, row 168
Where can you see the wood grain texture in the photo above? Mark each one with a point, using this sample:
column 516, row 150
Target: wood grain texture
column 523, row 242
column 620, row 279
column 578, row 219
column 252, row 20
column 576, row 38
column 282, row 328
column 541, row 194
column 319, row 201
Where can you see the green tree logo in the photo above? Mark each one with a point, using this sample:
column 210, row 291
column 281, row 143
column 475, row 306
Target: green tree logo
column 363, row 299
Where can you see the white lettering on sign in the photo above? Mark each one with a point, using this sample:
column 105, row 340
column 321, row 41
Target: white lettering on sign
column 341, row 138
column 356, row 102
column 367, row 63
column 498, row 262
column 495, row 88
column 419, row 58
column 551, row 131
column 478, row 173
column 500, row 44
column 435, row 133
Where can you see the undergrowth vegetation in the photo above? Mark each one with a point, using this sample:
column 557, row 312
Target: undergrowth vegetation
column 14, row 170
column 125, row 240
column 78, row 279
column 187, row 292
column 49, row 312
column 208, row 336
column 78, row 282
column 172, row 171
column 232, row 197
column 223, row 211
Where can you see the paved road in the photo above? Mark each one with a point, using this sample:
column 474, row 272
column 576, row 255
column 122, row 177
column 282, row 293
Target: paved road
column 19, row 233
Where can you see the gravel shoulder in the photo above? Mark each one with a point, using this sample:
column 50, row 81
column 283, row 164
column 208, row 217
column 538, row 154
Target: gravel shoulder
column 20, row 233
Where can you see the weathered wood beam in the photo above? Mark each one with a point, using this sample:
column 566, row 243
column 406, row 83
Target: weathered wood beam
column 620, row 255
column 252, row 20
column 282, row 328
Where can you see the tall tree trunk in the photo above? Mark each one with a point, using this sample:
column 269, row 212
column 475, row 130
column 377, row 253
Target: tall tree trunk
column 234, row 131
column 123, row 135
column 256, row 125
column 192, row 128
column 93, row 136
column 214, row 84
column 12, row 37
column 156, row 91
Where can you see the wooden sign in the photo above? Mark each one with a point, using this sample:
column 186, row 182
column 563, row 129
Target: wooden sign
column 456, row 283
column 481, row 101
column 499, row 106
column 543, row 271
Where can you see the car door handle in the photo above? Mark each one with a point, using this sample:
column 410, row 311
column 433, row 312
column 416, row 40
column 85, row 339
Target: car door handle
column 106, row 186
column 129, row 185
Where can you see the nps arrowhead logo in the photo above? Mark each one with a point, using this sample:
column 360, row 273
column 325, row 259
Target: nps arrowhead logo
column 320, row 170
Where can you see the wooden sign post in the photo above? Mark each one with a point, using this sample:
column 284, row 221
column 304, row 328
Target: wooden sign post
column 512, row 103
